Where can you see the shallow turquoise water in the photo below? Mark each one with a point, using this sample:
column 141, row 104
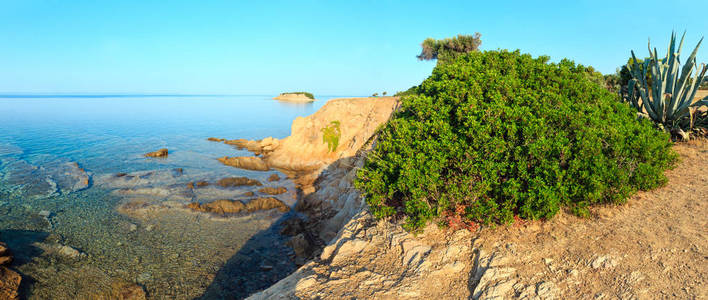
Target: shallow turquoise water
column 172, row 254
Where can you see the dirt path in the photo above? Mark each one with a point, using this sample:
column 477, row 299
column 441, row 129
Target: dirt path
column 653, row 247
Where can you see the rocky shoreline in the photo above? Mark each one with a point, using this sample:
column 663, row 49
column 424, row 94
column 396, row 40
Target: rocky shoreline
column 337, row 244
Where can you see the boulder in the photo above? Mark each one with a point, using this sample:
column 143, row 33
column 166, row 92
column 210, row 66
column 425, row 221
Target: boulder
column 245, row 162
column 159, row 153
column 273, row 177
column 226, row 206
column 237, row 181
column 219, row 206
column 273, row 190
column 9, row 279
column 9, row 284
column 266, row 203
column 5, row 256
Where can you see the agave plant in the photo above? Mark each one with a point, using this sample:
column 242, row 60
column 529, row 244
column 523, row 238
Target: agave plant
column 668, row 98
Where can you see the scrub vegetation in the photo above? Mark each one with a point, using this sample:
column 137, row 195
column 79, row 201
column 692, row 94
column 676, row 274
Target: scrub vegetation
column 495, row 135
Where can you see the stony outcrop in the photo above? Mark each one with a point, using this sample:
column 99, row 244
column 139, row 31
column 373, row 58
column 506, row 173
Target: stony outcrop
column 245, row 162
column 382, row 261
column 273, row 190
column 274, row 177
column 159, row 153
column 293, row 97
column 304, row 154
column 237, row 181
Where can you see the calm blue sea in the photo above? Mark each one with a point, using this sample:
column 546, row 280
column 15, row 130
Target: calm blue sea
column 170, row 254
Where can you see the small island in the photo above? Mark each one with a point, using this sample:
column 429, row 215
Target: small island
column 296, row 97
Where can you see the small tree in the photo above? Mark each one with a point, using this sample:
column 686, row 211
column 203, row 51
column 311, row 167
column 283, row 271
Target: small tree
column 449, row 48
column 375, row 95
column 384, row 93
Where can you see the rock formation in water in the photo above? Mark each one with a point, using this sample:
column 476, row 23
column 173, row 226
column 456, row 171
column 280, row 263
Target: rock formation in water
column 273, row 190
column 9, row 279
column 294, row 97
column 225, row 206
column 159, row 153
column 274, row 177
column 47, row 179
column 237, row 181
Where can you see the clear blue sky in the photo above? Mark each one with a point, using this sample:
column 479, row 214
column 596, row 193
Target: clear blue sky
column 327, row 47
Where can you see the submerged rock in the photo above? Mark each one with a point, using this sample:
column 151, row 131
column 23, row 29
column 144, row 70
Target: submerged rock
column 9, row 284
column 159, row 153
column 48, row 179
column 5, row 256
column 69, row 252
column 273, row 190
column 274, row 177
column 9, row 279
column 266, row 203
column 219, row 206
column 238, row 181
column 225, row 206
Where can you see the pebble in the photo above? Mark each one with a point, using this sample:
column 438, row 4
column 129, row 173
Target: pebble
column 133, row 227
column 45, row 213
column 149, row 227
column 266, row 267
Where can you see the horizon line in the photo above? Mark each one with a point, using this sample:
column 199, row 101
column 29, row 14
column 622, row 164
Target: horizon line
column 127, row 95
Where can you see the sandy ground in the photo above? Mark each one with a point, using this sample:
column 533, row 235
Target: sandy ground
column 655, row 246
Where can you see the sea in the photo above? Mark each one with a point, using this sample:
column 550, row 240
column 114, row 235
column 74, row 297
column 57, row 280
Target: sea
column 63, row 164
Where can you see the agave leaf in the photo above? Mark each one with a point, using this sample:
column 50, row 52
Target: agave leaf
column 690, row 63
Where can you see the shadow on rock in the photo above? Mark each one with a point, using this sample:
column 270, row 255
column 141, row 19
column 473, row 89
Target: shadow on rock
column 21, row 244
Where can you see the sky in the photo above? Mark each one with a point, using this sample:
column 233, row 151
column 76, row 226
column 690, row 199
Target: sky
column 352, row 48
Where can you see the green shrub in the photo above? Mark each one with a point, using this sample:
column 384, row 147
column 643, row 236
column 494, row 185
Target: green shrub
column 449, row 48
column 497, row 134
column 308, row 95
column 331, row 134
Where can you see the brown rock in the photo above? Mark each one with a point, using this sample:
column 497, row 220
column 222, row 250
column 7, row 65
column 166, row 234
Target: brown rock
column 248, row 194
column 219, row 206
column 245, row 162
column 273, row 190
column 266, row 203
column 237, row 181
column 253, row 146
column 159, row 153
column 122, row 290
column 121, row 174
column 9, row 284
column 190, row 185
column 274, row 177
column 213, row 139
column 201, row 184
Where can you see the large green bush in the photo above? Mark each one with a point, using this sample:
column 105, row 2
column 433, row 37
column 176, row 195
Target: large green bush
column 497, row 134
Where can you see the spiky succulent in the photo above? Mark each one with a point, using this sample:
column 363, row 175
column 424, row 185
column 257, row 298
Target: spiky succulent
column 668, row 98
